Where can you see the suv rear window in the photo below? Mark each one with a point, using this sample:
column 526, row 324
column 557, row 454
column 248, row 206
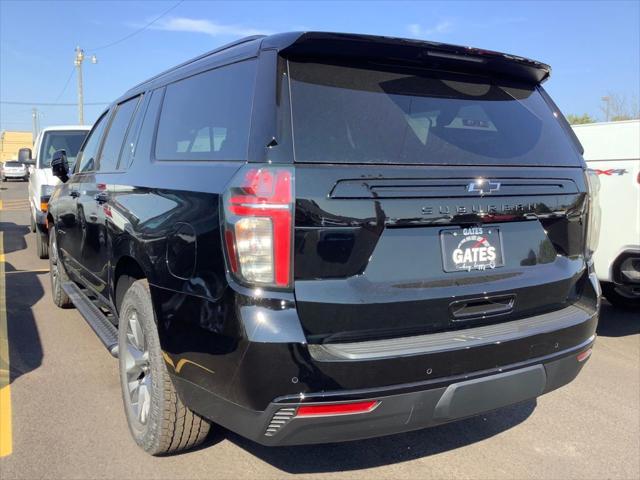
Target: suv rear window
column 70, row 141
column 347, row 114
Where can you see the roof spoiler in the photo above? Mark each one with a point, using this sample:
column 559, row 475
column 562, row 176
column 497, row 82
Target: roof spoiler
column 440, row 56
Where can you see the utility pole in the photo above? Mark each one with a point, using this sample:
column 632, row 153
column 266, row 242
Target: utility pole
column 34, row 117
column 78, row 63
column 607, row 102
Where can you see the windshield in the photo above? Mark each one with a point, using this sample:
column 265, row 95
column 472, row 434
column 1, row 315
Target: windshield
column 346, row 114
column 70, row 141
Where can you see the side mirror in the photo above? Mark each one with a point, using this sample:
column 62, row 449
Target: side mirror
column 60, row 165
column 25, row 156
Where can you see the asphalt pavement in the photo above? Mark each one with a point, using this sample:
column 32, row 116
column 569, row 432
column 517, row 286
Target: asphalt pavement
column 67, row 420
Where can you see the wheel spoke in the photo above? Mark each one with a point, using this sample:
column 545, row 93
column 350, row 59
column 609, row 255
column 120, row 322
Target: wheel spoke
column 136, row 359
column 134, row 386
column 136, row 330
column 144, row 401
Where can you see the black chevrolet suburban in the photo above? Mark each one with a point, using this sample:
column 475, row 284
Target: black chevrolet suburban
column 318, row 237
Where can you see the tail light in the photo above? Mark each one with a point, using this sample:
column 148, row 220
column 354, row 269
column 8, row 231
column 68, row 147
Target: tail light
column 593, row 223
column 258, row 209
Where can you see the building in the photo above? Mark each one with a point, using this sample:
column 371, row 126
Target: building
column 11, row 142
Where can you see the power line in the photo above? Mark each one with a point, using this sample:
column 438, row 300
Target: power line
column 50, row 104
column 65, row 85
column 126, row 37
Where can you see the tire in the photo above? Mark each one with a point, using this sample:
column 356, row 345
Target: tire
column 42, row 245
column 618, row 298
column 57, row 273
column 158, row 420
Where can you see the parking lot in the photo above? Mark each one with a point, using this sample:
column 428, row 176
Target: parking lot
column 67, row 418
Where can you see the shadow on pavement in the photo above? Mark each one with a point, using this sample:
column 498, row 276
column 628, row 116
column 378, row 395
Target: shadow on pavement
column 22, row 290
column 384, row 450
column 618, row 322
column 14, row 236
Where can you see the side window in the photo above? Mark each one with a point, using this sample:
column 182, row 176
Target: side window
column 145, row 139
column 87, row 158
column 207, row 116
column 128, row 149
column 115, row 136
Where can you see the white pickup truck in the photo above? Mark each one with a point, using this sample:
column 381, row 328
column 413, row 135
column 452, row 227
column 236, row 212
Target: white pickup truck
column 42, row 181
column 612, row 151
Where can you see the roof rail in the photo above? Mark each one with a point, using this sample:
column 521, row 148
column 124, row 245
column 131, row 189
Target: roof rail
column 199, row 57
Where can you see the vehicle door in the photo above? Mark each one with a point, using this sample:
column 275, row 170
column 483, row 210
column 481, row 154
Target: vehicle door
column 93, row 207
column 69, row 217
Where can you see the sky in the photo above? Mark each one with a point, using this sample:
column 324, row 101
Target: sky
column 593, row 47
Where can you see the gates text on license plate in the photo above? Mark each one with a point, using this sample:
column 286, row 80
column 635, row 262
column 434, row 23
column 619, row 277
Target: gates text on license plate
column 473, row 248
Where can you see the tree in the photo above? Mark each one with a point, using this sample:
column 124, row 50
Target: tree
column 617, row 107
column 579, row 119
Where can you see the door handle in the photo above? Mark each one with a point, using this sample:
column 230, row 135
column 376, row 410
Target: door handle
column 101, row 197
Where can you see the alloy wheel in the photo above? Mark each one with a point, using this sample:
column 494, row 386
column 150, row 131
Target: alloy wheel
column 137, row 369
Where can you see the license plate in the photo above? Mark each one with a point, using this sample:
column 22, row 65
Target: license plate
column 474, row 248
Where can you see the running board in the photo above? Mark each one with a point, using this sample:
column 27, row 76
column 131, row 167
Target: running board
column 103, row 328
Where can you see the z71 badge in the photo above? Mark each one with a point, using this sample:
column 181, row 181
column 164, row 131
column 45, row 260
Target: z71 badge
column 476, row 248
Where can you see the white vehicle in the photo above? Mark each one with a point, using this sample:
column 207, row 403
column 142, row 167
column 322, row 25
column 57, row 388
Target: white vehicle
column 14, row 170
column 42, row 181
column 612, row 151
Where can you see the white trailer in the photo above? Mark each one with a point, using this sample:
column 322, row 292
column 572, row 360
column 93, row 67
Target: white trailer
column 612, row 151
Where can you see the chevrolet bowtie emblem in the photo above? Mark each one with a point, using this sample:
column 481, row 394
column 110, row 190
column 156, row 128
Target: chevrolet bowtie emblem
column 483, row 187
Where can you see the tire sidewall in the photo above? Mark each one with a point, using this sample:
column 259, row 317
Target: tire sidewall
column 56, row 284
column 138, row 299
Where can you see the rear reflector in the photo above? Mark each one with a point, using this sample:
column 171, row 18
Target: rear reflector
column 231, row 249
column 337, row 409
column 584, row 355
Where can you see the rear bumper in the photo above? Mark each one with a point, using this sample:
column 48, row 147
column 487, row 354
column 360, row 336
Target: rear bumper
column 14, row 175
column 245, row 380
column 426, row 405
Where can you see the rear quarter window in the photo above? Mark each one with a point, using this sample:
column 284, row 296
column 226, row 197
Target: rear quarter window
column 207, row 116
